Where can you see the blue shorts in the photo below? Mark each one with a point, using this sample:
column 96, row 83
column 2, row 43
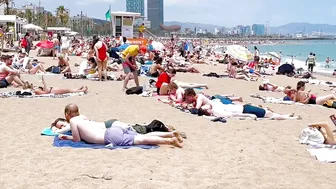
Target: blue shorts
column 4, row 83
column 251, row 71
column 259, row 112
column 119, row 136
column 223, row 99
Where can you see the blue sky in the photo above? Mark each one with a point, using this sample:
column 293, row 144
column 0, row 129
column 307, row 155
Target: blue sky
column 220, row 12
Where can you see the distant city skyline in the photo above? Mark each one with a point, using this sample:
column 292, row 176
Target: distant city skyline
column 136, row 6
column 242, row 12
column 155, row 12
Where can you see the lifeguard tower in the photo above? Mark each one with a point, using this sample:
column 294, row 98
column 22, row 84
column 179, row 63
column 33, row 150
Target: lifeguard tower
column 123, row 22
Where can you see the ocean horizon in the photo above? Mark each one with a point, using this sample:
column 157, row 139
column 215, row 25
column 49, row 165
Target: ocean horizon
column 300, row 51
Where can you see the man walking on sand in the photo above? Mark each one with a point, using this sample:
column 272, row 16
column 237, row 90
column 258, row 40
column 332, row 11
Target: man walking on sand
column 90, row 132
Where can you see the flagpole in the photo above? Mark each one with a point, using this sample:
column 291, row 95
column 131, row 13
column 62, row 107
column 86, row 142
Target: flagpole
column 111, row 31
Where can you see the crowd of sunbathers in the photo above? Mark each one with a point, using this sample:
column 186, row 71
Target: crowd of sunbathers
column 298, row 94
column 163, row 65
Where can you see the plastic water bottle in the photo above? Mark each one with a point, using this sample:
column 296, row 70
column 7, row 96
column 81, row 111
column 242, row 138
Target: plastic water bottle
column 144, row 86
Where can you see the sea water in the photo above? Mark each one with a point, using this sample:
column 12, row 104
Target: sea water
column 300, row 51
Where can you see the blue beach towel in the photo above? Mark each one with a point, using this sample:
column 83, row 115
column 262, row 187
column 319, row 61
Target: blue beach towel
column 81, row 144
column 48, row 132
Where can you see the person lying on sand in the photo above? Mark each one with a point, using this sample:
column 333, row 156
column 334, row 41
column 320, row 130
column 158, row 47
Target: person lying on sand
column 92, row 132
column 266, row 86
column 168, row 88
column 324, row 133
column 53, row 90
column 61, row 126
column 219, row 109
column 307, row 98
column 172, row 64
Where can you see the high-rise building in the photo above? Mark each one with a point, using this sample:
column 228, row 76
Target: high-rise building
column 136, row 6
column 258, row 29
column 155, row 12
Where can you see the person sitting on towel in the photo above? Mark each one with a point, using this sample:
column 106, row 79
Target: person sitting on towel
column 96, row 133
column 219, row 109
column 8, row 75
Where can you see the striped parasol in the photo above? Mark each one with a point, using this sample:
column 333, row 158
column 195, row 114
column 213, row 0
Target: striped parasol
column 239, row 52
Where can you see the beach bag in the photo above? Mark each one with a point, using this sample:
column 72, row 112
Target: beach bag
column 311, row 135
column 134, row 90
column 156, row 125
column 330, row 104
column 56, row 70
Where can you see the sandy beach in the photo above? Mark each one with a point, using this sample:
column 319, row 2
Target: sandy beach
column 238, row 154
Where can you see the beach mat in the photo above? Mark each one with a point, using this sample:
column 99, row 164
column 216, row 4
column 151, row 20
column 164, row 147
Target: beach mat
column 71, row 144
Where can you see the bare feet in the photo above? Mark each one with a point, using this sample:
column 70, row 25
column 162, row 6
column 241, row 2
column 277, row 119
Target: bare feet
column 175, row 142
column 85, row 89
column 178, row 136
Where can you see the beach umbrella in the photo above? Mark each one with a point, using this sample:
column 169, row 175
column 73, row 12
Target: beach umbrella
column 275, row 55
column 158, row 46
column 45, row 44
column 123, row 47
column 32, row 27
column 239, row 52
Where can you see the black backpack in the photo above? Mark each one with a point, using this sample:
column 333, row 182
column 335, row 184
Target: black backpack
column 156, row 125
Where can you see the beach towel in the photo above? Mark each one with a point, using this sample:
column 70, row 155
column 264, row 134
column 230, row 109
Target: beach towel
column 14, row 94
column 48, row 132
column 275, row 100
column 318, row 82
column 272, row 99
column 327, row 155
column 69, row 143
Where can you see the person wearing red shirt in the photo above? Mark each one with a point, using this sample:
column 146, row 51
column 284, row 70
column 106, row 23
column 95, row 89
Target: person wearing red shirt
column 163, row 80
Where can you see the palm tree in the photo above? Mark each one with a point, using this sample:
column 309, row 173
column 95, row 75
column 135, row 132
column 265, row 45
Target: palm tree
column 63, row 15
column 29, row 16
column 7, row 5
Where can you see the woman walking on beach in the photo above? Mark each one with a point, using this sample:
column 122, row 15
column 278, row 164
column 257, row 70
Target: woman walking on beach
column 100, row 49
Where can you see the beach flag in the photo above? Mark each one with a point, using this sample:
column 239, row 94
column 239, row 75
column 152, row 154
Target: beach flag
column 108, row 15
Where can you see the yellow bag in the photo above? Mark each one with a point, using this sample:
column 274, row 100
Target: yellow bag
column 330, row 104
